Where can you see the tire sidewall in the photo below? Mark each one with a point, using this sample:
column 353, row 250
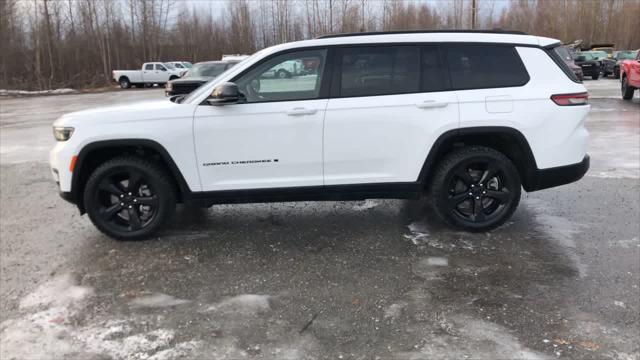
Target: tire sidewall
column 164, row 192
column 440, row 192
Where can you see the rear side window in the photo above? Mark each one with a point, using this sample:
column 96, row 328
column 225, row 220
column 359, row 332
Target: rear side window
column 370, row 71
column 483, row 66
column 148, row 67
column 563, row 57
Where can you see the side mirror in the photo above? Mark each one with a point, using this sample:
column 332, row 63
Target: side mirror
column 223, row 94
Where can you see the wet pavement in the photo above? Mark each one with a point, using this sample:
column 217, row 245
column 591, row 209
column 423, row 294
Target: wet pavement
column 375, row 279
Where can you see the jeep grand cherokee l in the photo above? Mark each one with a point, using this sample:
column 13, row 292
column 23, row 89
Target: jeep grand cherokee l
column 465, row 118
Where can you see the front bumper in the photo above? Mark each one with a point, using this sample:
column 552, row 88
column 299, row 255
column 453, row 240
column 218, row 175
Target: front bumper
column 591, row 71
column 561, row 175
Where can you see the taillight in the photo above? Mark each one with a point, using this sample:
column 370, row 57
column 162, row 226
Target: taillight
column 571, row 99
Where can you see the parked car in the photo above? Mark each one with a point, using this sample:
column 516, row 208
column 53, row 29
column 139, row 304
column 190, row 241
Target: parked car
column 608, row 50
column 181, row 64
column 589, row 63
column 567, row 55
column 630, row 76
column 234, row 57
column 199, row 74
column 286, row 69
column 502, row 113
column 612, row 66
column 151, row 73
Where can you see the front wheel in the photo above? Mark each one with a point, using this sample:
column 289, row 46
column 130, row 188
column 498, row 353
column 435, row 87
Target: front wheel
column 475, row 188
column 595, row 77
column 616, row 73
column 627, row 90
column 129, row 198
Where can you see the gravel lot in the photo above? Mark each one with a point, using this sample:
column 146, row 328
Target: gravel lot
column 338, row 280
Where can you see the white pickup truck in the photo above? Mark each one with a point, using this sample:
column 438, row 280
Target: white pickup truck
column 151, row 73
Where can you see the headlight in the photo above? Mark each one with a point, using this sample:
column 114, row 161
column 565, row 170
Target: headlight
column 62, row 133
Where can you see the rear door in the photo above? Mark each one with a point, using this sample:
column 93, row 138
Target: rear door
column 388, row 105
column 147, row 72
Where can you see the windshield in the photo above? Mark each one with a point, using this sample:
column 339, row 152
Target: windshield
column 169, row 65
column 584, row 56
column 627, row 55
column 599, row 54
column 204, row 87
column 206, row 69
column 187, row 64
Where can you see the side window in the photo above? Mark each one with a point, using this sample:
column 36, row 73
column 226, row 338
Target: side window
column 290, row 76
column 148, row 67
column 369, row 71
column 179, row 66
column 483, row 66
column 160, row 67
column 434, row 75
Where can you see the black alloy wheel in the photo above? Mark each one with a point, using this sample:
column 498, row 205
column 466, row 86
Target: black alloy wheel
column 475, row 188
column 129, row 198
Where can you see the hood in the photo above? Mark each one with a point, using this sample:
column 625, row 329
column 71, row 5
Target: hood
column 195, row 79
column 140, row 111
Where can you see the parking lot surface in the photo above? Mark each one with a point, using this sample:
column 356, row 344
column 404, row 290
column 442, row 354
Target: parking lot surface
column 375, row 279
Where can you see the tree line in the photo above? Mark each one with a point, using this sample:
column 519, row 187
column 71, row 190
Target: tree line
column 76, row 43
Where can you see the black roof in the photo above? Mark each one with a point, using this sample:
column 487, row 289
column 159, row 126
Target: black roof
column 496, row 31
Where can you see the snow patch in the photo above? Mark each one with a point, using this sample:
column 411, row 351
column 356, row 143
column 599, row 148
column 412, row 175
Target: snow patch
column 157, row 300
column 393, row 311
column 52, row 331
column 4, row 92
column 246, row 304
column 366, row 205
column 59, row 292
column 469, row 338
column 437, row 261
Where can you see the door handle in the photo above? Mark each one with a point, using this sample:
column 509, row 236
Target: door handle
column 301, row 111
column 431, row 104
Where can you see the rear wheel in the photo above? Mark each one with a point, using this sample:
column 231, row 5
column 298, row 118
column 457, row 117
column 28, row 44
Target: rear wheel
column 129, row 198
column 627, row 90
column 475, row 188
column 595, row 77
column 124, row 83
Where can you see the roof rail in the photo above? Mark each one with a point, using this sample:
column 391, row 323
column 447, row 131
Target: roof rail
column 495, row 31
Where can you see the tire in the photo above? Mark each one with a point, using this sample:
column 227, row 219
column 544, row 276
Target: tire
column 283, row 74
column 626, row 89
column 173, row 78
column 595, row 77
column 124, row 83
column 467, row 175
column 129, row 211
column 616, row 73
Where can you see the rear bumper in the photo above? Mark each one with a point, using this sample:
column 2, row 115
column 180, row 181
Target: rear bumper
column 561, row 175
column 591, row 71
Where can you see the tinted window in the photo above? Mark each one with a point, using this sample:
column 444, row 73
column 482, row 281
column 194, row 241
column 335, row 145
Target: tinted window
column 480, row 66
column 290, row 76
column 434, row 75
column 148, row 67
column 368, row 71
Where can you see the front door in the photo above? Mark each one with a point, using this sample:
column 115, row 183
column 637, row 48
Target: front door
column 271, row 139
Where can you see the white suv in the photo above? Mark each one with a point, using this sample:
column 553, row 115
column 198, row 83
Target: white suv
column 467, row 118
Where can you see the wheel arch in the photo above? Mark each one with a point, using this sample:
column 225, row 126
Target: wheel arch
column 506, row 140
column 124, row 77
column 96, row 153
